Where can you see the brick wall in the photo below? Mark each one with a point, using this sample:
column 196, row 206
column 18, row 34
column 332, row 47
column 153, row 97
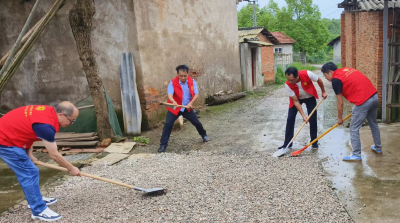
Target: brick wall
column 267, row 60
column 362, row 39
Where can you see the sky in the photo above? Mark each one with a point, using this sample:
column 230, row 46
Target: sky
column 328, row 8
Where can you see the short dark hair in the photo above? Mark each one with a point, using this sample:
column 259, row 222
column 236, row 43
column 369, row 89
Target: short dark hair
column 182, row 68
column 330, row 66
column 292, row 71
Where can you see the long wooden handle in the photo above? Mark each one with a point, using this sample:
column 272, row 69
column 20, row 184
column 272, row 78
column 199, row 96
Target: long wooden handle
column 84, row 174
column 304, row 123
column 179, row 106
column 334, row 126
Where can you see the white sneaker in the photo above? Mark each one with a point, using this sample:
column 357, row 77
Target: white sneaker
column 48, row 200
column 47, row 215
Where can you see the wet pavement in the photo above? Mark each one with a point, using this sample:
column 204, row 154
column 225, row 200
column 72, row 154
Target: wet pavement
column 369, row 189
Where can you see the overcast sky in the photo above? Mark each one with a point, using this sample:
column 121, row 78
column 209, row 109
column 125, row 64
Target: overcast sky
column 328, row 8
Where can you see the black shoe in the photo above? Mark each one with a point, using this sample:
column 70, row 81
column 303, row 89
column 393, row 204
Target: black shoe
column 205, row 138
column 282, row 147
column 162, row 149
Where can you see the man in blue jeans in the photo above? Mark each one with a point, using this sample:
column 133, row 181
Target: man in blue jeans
column 182, row 90
column 21, row 127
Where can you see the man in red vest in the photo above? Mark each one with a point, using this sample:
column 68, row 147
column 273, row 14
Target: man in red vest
column 21, row 127
column 300, row 88
column 357, row 89
column 182, row 90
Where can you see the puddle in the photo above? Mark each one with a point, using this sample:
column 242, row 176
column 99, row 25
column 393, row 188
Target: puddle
column 11, row 191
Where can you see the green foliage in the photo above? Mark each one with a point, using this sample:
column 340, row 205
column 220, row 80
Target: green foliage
column 300, row 66
column 300, row 20
column 141, row 139
column 339, row 65
column 280, row 77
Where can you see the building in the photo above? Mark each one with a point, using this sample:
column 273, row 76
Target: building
column 160, row 34
column 283, row 49
column 362, row 25
column 260, row 34
column 337, row 49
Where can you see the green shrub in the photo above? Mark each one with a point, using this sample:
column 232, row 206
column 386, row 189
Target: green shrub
column 141, row 139
column 339, row 65
column 280, row 77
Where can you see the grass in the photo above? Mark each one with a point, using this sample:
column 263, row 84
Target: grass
column 300, row 66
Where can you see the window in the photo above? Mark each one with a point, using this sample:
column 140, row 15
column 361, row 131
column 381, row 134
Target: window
column 278, row 50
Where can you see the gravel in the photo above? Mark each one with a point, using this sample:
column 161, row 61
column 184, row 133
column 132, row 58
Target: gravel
column 201, row 187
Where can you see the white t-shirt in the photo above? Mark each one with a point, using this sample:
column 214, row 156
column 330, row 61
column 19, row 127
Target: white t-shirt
column 302, row 93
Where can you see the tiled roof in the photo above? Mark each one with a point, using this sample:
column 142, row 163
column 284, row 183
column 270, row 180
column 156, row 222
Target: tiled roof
column 282, row 38
column 368, row 5
column 334, row 41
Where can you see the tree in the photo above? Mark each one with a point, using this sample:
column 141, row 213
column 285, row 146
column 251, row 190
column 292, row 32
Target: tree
column 80, row 18
column 300, row 20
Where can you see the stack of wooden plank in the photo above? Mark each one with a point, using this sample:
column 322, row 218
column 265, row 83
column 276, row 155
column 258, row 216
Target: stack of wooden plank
column 73, row 140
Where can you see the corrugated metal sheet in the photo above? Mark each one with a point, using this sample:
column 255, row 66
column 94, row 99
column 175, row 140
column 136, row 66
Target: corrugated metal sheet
column 249, row 33
column 376, row 5
column 261, row 43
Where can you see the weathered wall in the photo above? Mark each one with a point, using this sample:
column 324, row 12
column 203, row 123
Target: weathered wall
column 52, row 71
column 337, row 52
column 267, row 60
column 245, row 66
column 161, row 34
column 201, row 34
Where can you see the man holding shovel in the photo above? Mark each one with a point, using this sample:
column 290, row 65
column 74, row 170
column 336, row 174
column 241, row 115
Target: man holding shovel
column 21, row 127
column 300, row 88
column 357, row 89
column 182, row 90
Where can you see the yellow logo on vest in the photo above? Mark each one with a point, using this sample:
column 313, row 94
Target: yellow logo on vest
column 40, row 108
column 192, row 88
column 345, row 70
column 305, row 83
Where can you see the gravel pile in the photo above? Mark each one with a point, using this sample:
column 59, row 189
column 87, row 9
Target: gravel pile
column 202, row 187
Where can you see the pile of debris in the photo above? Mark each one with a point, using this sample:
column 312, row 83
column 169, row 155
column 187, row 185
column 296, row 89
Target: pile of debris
column 223, row 96
column 66, row 141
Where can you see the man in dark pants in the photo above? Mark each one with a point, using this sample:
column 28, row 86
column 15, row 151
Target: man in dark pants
column 182, row 90
column 301, row 90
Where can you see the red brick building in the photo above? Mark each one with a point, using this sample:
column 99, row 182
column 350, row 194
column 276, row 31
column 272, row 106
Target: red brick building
column 267, row 53
column 362, row 37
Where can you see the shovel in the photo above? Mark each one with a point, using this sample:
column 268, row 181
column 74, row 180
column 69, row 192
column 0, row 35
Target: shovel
column 147, row 191
column 297, row 153
column 282, row 152
column 174, row 106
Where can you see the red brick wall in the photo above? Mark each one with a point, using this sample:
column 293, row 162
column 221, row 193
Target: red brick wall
column 343, row 39
column 362, row 39
column 267, row 60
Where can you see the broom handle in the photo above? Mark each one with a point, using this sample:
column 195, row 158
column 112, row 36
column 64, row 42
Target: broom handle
column 84, row 174
column 180, row 106
column 304, row 123
column 336, row 125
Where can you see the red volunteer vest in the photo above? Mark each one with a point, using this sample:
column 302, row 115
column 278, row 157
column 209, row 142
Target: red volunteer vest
column 178, row 93
column 16, row 125
column 357, row 88
column 307, row 85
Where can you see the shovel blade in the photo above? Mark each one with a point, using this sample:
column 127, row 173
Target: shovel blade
column 152, row 190
column 280, row 152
